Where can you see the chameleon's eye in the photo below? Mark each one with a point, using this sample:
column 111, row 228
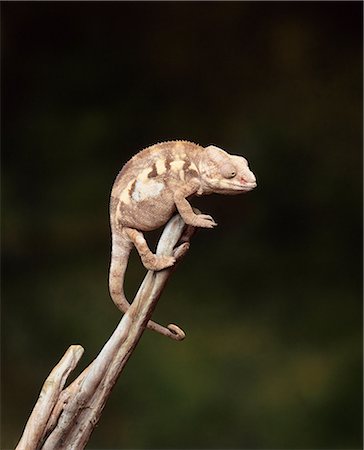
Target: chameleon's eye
column 228, row 170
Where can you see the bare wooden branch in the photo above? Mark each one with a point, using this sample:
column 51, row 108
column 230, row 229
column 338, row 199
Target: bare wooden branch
column 65, row 419
column 48, row 397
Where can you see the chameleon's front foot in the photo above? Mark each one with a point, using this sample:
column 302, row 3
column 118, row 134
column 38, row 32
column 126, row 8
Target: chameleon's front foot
column 203, row 221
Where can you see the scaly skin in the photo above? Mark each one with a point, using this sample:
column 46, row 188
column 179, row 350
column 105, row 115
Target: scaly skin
column 154, row 184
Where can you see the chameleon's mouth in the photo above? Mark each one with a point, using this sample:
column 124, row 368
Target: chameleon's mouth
column 237, row 188
column 250, row 186
column 244, row 186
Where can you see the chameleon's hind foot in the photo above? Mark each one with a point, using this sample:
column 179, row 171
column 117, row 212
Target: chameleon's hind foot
column 149, row 259
column 154, row 262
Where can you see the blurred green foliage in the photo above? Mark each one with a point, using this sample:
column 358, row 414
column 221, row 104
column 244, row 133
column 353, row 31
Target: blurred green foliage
column 272, row 299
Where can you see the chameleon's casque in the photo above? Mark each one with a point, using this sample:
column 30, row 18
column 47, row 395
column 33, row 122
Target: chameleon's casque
column 154, row 184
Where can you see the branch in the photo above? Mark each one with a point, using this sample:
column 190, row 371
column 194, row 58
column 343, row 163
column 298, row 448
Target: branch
column 65, row 419
column 48, row 397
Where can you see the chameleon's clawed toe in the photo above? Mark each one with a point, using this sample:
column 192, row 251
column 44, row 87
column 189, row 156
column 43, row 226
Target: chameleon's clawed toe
column 204, row 221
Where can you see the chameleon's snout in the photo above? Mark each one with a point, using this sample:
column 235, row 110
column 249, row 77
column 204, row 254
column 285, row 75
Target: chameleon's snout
column 248, row 180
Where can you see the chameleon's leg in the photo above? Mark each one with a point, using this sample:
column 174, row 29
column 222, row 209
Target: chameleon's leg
column 149, row 259
column 185, row 209
column 151, row 262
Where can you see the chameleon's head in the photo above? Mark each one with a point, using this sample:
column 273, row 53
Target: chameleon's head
column 222, row 173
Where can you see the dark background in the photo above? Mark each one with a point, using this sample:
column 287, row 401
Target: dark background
column 271, row 300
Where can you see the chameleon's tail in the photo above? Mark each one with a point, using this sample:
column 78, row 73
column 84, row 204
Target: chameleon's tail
column 121, row 248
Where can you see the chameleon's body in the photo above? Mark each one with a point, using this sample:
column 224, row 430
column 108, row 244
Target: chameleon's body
column 154, row 184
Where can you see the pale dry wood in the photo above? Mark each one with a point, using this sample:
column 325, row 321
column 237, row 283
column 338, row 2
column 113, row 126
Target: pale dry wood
column 75, row 411
column 48, row 397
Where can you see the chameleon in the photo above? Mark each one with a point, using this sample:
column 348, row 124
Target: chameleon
column 151, row 187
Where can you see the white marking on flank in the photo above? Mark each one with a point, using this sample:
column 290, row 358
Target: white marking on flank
column 145, row 190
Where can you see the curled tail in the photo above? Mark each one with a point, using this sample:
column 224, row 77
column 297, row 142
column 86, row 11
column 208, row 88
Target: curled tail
column 120, row 251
